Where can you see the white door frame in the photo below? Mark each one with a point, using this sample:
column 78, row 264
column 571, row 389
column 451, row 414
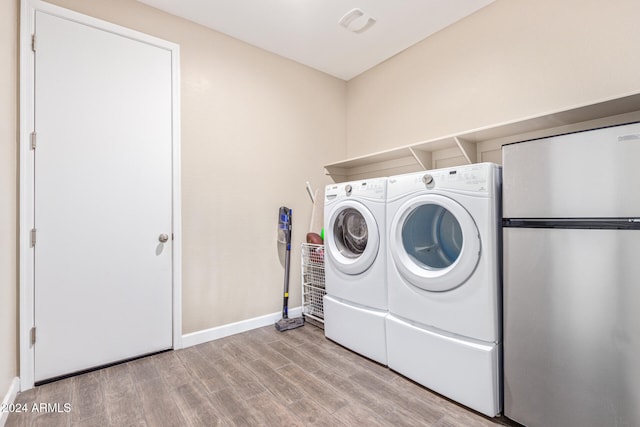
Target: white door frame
column 26, row 165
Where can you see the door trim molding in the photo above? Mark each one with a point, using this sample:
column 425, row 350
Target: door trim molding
column 26, row 164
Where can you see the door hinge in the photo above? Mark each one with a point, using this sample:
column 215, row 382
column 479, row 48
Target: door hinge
column 33, row 140
column 33, row 237
column 33, row 42
column 33, row 335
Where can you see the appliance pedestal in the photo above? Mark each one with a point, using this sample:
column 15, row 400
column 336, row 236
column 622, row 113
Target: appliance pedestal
column 465, row 371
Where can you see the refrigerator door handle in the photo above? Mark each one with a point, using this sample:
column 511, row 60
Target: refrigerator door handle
column 624, row 223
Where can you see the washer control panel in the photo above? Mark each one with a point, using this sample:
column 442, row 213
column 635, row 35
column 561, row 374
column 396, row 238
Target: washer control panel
column 375, row 188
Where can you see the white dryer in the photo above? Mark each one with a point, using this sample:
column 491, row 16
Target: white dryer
column 444, row 322
column 355, row 266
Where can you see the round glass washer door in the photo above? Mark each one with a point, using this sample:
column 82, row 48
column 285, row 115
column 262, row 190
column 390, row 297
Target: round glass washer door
column 353, row 238
column 434, row 242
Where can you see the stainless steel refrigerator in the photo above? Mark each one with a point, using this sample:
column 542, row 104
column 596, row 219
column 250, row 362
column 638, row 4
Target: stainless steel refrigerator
column 571, row 230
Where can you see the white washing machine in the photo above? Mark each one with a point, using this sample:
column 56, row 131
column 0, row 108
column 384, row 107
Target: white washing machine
column 355, row 266
column 444, row 322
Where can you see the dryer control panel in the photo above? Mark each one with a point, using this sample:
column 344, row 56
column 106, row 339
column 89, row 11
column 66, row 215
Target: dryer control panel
column 477, row 178
column 469, row 178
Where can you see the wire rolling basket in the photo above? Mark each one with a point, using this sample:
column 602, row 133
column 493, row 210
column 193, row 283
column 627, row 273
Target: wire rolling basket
column 313, row 283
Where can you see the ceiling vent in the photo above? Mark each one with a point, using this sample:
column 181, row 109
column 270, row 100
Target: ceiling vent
column 357, row 21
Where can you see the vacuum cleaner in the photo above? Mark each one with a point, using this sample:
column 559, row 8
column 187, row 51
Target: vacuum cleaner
column 284, row 236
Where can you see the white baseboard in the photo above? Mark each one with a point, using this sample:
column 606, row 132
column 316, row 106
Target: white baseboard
column 9, row 398
column 218, row 332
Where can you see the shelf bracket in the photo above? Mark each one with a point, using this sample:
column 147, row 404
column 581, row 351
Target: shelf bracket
column 424, row 158
column 469, row 149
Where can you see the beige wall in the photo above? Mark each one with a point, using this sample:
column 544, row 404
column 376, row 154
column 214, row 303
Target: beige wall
column 255, row 127
column 510, row 60
column 8, row 183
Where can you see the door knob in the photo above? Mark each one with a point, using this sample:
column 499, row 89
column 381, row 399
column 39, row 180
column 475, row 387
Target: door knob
column 163, row 238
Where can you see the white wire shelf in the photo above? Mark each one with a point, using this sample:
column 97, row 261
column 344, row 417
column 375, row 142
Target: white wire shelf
column 313, row 282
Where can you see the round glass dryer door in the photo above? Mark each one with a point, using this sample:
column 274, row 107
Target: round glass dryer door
column 432, row 236
column 353, row 238
column 436, row 244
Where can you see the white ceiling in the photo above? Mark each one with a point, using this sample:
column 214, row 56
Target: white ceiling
column 307, row 31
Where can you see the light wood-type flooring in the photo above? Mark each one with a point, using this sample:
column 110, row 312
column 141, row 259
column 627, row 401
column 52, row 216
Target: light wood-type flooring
column 257, row 378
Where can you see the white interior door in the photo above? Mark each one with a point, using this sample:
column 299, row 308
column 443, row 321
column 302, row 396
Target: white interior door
column 103, row 196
